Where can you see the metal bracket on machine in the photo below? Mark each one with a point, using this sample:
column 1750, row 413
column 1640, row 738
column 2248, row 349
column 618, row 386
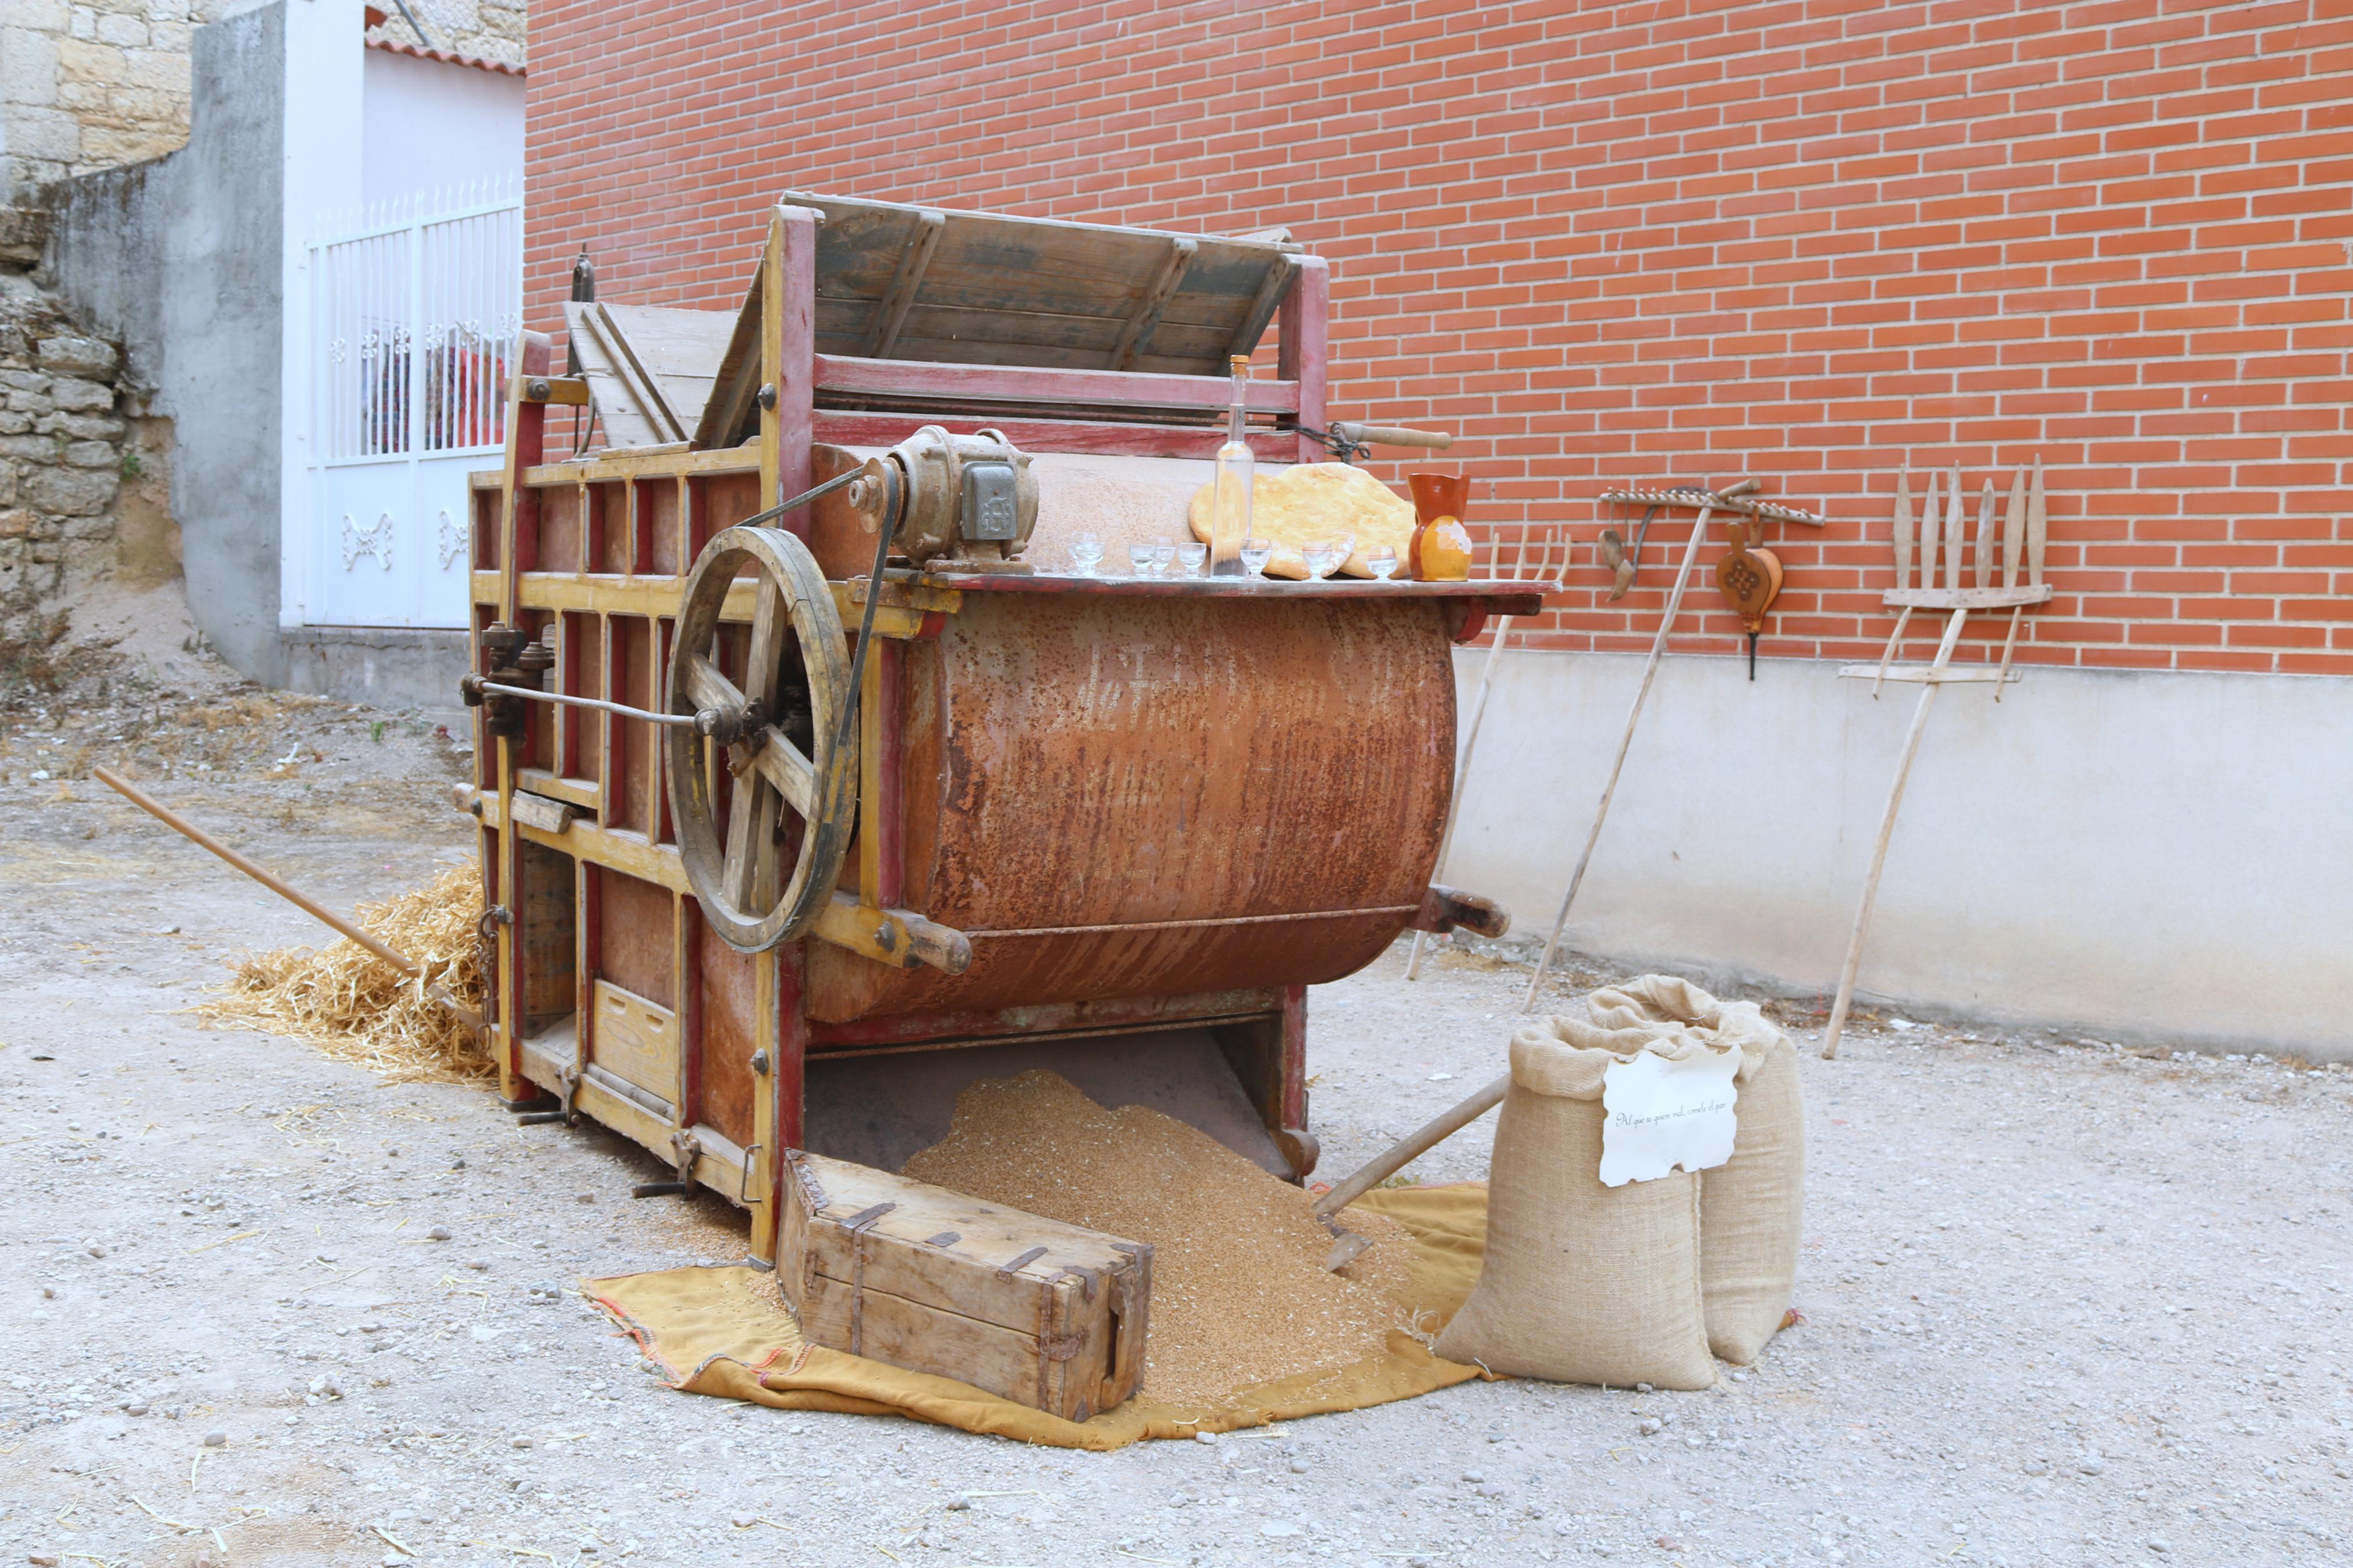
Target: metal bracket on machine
column 1447, row 908
column 689, row 1148
column 567, row 1077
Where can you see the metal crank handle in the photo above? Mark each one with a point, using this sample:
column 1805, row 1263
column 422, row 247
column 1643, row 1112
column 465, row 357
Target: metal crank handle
column 1391, row 435
column 720, row 725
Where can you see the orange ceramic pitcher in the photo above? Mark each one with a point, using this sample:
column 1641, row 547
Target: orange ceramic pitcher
column 1440, row 552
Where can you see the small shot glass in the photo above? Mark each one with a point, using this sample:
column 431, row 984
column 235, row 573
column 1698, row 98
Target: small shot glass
column 1086, row 553
column 1256, row 553
column 1141, row 559
column 1163, row 558
column 1190, row 559
column 1382, row 561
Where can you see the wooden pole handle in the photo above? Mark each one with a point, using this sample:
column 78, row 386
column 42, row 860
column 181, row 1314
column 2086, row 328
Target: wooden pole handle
column 1411, row 1147
column 1393, row 435
column 434, row 993
column 308, row 906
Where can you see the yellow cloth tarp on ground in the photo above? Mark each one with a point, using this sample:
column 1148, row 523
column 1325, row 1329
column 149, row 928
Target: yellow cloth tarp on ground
column 709, row 1331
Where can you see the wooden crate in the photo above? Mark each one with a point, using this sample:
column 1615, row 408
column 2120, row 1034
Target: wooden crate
column 1047, row 1314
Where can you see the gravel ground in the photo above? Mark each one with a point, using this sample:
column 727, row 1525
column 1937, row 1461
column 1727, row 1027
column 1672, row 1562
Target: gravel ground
column 2066, row 1301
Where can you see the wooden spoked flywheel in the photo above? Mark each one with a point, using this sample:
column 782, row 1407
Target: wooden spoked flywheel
column 764, row 803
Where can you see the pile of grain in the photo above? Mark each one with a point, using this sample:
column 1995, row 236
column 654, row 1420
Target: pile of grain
column 356, row 1007
column 1240, row 1295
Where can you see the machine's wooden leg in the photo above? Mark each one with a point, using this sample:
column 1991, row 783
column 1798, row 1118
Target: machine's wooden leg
column 1269, row 1055
column 1291, row 1134
column 777, row 1119
column 507, row 897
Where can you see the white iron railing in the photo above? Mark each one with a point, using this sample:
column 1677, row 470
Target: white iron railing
column 419, row 305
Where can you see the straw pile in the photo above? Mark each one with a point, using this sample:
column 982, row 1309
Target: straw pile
column 356, row 1007
column 1239, row 1294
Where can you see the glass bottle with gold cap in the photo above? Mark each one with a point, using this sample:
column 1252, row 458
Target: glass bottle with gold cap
column 1229, row 499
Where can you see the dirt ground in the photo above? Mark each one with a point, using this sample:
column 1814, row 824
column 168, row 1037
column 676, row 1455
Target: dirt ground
column 2066, row 1301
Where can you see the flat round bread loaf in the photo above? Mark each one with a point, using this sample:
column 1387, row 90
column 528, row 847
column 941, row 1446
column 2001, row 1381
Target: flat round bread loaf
column 1308, row 503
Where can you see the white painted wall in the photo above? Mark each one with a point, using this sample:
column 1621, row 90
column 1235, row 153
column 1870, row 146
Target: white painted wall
column 373, row 138
column 2138, row 855
column 322, row 161
column 426, row 126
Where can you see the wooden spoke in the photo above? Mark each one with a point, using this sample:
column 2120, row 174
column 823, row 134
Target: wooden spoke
column 751, row 882
column 771, row 621
column 750, row 879
column 707, row 687
column 779, row 764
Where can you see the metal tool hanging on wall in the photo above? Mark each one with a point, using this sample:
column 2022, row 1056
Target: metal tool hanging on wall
column 1751, row 580
column 1622, row 563
column 1735, row 499
column 2024, row 535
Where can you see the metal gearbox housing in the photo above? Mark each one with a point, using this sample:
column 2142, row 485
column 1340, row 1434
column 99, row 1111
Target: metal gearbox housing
column 970, row 500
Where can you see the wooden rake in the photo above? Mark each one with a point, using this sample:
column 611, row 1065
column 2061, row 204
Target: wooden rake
column 1538, row 552
column 1733, row 498
column 2023, row 532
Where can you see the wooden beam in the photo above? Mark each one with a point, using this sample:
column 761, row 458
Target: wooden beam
column 569, row 391
column 787, row 345
column 890, row 314
column 1963, row 599
column 1262, row 308
column 1105, row 437
column 1134, row 336
column 1031, row 384
column 1301, row 359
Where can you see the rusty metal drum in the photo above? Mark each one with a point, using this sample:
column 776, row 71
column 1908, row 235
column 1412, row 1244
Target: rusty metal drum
column 1116, row 795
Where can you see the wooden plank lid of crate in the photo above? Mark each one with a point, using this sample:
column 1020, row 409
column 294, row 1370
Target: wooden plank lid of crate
column 1048, row 1315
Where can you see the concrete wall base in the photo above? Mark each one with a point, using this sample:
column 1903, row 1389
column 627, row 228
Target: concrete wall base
column 2134, row 855
column 384, row 666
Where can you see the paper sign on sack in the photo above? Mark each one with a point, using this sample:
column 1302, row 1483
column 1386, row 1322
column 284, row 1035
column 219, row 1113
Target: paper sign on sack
column 1660, row 1114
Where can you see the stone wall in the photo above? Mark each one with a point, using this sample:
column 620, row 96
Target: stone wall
column 66, row 450
column 88, row 85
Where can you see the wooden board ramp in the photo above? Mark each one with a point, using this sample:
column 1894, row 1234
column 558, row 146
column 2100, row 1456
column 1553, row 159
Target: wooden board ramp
column 2024, row 529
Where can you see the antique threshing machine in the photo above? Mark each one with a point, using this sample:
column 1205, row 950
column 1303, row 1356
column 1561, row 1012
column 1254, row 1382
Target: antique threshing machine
column 798, row 816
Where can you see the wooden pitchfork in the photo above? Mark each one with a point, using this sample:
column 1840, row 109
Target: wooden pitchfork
column 1539, row 554
column 1734, row 498
column 2024, row 532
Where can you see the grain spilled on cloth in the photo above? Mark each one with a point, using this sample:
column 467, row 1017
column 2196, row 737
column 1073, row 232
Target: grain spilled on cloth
column 1239, row 1294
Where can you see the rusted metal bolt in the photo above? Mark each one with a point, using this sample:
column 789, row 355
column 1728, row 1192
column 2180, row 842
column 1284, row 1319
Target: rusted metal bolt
column 760, row 1062
column 767, row 398
column 862, row 493
column 724, row 725
column 536, row 389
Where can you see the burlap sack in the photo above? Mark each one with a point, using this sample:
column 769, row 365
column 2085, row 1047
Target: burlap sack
column 1582, row 1283
column 1751, row 1208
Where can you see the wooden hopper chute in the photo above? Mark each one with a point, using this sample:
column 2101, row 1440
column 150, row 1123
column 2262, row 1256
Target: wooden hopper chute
column 959, row 288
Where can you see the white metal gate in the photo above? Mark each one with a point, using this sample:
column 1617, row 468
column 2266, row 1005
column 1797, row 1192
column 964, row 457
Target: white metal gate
column 415, row 317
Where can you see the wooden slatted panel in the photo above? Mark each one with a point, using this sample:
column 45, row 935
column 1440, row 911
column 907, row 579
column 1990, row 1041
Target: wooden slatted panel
column 996, row 289
column 680, row 349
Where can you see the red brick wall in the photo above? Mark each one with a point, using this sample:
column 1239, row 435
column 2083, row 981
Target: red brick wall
column 1686, row 239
